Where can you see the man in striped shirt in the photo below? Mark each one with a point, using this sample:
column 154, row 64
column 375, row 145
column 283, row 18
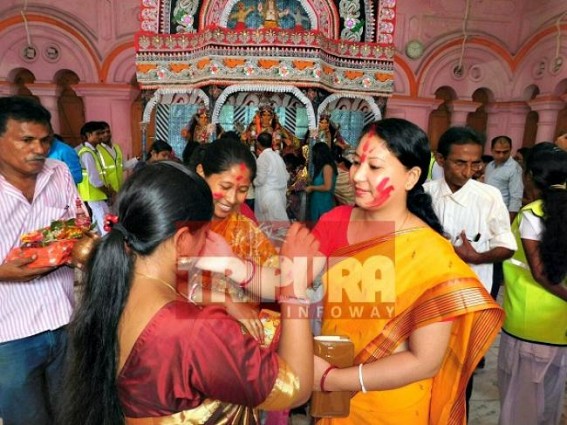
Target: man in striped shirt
column 35, row 303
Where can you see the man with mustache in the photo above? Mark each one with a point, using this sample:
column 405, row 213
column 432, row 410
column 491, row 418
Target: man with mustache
column 473, row 214
column 35, row 303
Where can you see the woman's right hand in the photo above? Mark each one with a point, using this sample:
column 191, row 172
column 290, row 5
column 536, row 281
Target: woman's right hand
column 247, row 315
column 297, row 253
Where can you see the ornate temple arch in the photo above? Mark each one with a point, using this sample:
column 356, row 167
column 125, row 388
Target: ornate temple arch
column 265, row 89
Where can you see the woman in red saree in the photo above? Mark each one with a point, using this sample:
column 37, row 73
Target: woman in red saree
column 418, row 317
column 140, row 353
column 229, row 167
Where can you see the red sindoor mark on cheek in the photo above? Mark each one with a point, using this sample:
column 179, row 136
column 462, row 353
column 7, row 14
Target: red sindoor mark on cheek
column 217, row 196
column 383, row 192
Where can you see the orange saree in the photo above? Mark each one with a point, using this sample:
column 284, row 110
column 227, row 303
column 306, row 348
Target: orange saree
column 379, row 291
column 246, row 239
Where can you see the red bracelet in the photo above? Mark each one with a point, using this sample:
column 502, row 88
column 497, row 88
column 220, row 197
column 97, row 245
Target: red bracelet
column 245, row 283
column 324, row 376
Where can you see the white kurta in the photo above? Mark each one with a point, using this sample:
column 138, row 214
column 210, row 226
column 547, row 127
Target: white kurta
column 479, row 210
column 270, row 186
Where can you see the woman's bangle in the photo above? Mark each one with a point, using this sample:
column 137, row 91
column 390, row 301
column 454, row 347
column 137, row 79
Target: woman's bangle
column 247, row 281
column 293, row 300
column 362, row 387
column 324, row 376
column 192, row 292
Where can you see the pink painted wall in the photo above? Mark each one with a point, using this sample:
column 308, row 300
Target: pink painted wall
column 510, row 51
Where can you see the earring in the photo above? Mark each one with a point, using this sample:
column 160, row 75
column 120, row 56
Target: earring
column 186, row 263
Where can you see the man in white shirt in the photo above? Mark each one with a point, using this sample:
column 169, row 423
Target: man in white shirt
column 473, row 214
column 35, row 303
column 270, row 182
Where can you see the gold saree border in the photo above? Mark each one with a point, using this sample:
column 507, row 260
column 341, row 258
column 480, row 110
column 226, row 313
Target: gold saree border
column 285, row 389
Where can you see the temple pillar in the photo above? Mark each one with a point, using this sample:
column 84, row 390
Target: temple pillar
column 460, row 109
column 548, row 108
column 506, row 119
column 48, row 94
column 418, row 108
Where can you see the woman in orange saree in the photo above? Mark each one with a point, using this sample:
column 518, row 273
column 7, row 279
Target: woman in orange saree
column 229, row 168
column 418, row 317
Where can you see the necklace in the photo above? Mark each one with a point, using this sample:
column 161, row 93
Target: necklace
column 163, row 282
column 404, row 222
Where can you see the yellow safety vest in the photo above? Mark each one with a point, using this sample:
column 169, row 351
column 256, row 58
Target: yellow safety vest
column 112, row 167
column 431, row 164
column 87, row 191
column 532, row 313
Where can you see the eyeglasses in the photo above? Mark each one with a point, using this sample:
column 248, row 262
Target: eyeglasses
column 461, row 165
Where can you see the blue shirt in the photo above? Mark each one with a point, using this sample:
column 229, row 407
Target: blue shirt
column 507, row 178
column 63, row 152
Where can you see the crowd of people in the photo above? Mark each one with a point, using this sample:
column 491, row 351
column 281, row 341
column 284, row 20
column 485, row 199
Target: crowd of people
column 194, row 310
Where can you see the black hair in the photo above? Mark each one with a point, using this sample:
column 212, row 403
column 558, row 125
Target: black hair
column 90, row 127
column 497, row 139
column 293, row 160
column 223, row 154
column 188, row 152
column 410, row 145
column 161, row 146
column 548, row 170
column 338, row 154
column 231, row 134
column 487, row 158
column 22, row 109
column 458, row 136
column 153, row 203
column 524, row 151
column 321, row 155
column 265, row 140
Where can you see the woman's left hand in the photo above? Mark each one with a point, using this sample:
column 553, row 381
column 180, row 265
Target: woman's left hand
column 319, row 367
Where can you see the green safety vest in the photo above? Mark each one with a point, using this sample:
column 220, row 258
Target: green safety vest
column 87, row 191
column 112, row 167
column 532, row 313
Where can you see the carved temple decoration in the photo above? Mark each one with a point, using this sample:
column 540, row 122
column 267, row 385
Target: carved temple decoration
column 321, row 47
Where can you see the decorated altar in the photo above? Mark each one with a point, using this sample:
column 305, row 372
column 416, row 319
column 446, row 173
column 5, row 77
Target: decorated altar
column 303, row 56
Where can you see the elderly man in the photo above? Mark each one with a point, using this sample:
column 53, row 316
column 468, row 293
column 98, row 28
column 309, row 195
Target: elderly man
column 472, row 213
